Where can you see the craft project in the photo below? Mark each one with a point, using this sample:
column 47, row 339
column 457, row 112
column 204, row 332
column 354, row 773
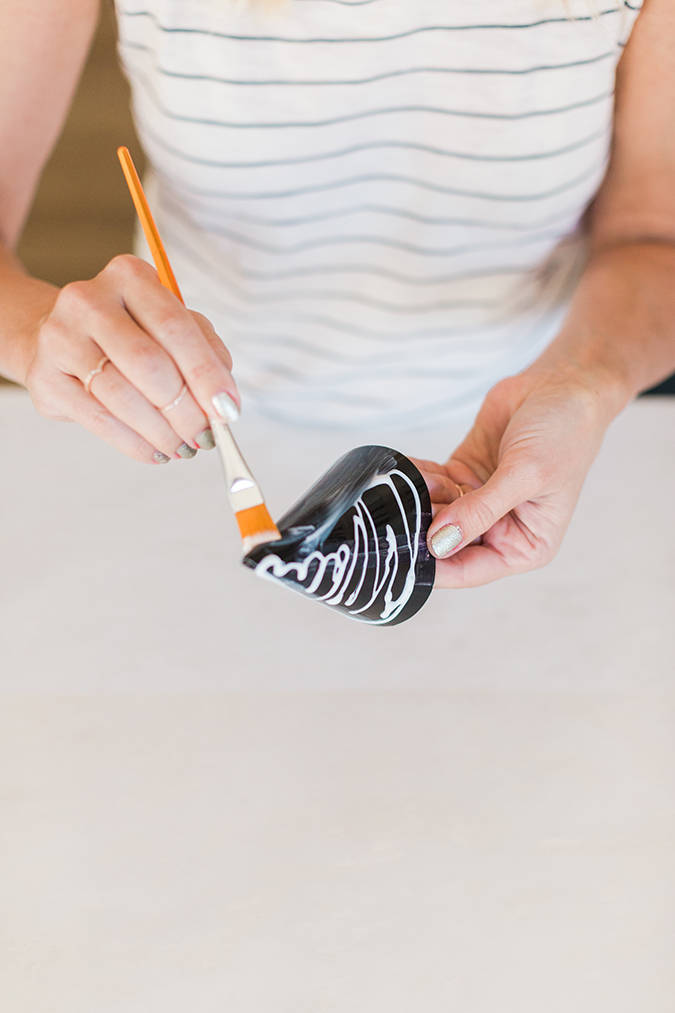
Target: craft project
column 357, row 540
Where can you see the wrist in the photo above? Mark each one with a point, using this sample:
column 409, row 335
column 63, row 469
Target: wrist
column 604, row 382
column 25, row 303
column 619, row 336
column 18, row 349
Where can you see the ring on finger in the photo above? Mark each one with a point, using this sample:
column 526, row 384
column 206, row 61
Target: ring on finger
column 460, row 490
column 94, row 372
column 126, row 404
column 172, row 404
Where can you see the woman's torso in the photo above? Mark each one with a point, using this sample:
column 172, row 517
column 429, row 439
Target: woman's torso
column 370, row 198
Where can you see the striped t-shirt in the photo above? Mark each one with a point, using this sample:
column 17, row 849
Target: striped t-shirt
column 377, row 202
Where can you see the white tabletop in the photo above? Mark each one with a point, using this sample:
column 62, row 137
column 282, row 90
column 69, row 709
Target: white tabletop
column 219, row 796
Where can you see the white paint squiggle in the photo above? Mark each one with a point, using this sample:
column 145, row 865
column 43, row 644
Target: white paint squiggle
column 344, row 560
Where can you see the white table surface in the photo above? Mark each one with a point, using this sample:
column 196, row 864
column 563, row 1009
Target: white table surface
column 218, row 796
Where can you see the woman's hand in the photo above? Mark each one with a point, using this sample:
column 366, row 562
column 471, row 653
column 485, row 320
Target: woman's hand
column 520, row 470
column 150, row 347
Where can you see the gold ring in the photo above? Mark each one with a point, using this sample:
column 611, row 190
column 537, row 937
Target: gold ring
column 461, row 491
column 168, row 407
column 94, row 372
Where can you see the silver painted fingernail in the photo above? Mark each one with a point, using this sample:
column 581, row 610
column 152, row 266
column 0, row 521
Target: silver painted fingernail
column 225, row 406
column 205, row 440
column 186, row 451
column 446, row 539
column 160, row 458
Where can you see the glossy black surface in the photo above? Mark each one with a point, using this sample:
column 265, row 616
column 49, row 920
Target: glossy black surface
column 667, row 387
column 357, row 540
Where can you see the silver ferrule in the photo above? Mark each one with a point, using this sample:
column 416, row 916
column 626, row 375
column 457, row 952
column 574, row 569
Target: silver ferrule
column 242, row 488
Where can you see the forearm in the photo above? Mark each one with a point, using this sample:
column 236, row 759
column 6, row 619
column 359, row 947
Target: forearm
column 24, row 302
column 514, row 481
column 43, row 45
column 619, row 336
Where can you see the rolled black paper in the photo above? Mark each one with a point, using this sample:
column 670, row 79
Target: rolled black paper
column 356, row 541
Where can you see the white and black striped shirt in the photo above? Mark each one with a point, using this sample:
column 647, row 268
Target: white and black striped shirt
column 375, row 201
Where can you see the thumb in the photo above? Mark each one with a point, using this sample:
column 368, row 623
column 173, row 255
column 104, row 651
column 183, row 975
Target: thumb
column 464, row 520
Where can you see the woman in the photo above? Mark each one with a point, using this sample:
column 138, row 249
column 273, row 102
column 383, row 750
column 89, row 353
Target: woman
column 386, row 209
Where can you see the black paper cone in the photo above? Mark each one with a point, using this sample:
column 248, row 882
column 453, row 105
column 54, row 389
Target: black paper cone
column 356, row 541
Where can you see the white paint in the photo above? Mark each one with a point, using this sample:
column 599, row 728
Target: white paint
column 344, row 560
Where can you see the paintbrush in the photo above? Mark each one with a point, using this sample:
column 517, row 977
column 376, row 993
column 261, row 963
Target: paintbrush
column 255, row 524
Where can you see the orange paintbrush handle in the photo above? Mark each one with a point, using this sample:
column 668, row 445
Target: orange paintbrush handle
column 166, row 275
column 255, row 523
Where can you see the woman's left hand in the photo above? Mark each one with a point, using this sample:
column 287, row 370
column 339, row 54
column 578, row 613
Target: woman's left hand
column 523, row 464
column 520, row 469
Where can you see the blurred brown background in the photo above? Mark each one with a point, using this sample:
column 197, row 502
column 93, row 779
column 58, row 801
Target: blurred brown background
column 83, row 215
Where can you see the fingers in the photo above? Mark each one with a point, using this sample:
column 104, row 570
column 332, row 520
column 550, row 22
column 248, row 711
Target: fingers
column 509, row 544
column 502, row 528
column 213, row 339
column 166, row 362
column 137, row 356
column 443, row 482
column 179, row 333
column 86, row 410
column 84, row 359
column 476, row 565
column 441, row 488
column 127, row 404
column 475, row 513
column 429, row 467
column 531, row 446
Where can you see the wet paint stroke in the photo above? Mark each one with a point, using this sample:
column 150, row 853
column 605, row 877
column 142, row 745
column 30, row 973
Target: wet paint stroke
column 356, row 541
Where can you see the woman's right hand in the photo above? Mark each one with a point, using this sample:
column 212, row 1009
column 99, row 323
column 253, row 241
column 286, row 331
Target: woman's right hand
column 155, row 347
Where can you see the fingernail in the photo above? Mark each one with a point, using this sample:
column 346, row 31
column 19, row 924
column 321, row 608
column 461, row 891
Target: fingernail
column 446, row 539
column 225, row 406
column 160, row 458
column 205, row 440
column 186, row 451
